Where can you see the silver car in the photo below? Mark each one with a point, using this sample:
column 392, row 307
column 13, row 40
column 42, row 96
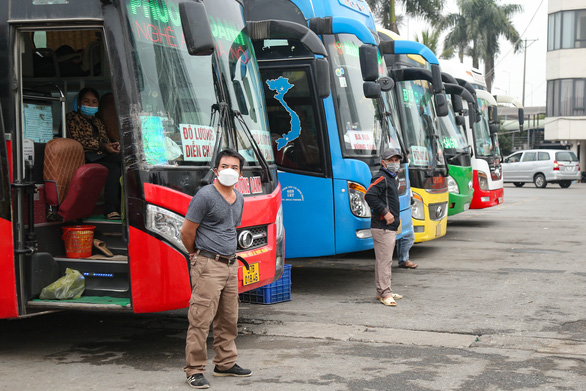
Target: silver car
column 541, row 166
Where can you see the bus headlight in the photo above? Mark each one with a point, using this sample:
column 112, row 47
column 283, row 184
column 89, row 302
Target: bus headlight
column 417, row 211
column 358, row 204
column 482, row 181
column 165, row 223
column 280, row 245
column 453, row 186
column 279, row 223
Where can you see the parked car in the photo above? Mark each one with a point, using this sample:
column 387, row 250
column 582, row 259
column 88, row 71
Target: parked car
column 541, row 166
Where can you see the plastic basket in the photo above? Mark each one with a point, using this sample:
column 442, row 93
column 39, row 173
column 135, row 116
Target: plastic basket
column 277, row 292
column 78, row 240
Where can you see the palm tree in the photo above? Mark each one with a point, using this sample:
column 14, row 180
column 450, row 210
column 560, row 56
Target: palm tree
column 476, row 31
column 385, row 10
column 431, row 40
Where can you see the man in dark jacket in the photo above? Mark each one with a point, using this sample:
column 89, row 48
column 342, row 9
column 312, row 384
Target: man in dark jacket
column 383, row 198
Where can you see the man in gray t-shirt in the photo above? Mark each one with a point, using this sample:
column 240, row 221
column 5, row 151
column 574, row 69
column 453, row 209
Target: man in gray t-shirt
column 209, row 235
column 217, row 220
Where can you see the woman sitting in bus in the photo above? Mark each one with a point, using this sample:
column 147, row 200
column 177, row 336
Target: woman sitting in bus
column 83, row 126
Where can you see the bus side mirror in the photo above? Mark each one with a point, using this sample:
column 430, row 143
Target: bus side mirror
column 521, row 118
column 493, row 116
column 441, row 104
column 471, row 116
column 196, row 29
column 460, row 121
column 368, row 62
column 323, row 77
column 436, row 79
column 493, row 129
column 372, row 90
column 386, row 83
column 457, row 103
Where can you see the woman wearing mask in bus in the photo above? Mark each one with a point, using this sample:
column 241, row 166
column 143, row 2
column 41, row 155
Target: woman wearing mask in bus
column 83, row 126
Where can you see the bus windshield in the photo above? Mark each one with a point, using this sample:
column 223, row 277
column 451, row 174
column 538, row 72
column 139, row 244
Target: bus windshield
column 242, row 79
column 419, row 123
column 392, row 120
column 452, row 138
column 483, row 142
column 360, row 125
column 178, row 113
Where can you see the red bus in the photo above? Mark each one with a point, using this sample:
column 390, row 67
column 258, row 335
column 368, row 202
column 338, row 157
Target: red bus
column 183, row 84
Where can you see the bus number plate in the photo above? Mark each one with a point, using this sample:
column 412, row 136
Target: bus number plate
column 251, row 275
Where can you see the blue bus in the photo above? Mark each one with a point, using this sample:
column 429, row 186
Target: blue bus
column 324, row 172
column 326, row 146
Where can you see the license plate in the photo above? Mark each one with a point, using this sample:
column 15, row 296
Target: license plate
column 251, row 275
column 438, row 230
column 466, row 206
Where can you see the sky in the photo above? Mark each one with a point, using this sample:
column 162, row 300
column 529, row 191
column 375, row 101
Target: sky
column 509, row 65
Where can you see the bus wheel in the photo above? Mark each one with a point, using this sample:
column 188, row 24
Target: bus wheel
column 565, row 184
column 540, row 181
column 518, row 184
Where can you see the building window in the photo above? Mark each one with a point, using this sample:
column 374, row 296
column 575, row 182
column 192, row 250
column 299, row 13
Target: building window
column 565, row 97
column 567, row 30
column 581, row 29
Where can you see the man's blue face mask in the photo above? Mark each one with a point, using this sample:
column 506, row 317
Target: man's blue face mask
column 88, row 110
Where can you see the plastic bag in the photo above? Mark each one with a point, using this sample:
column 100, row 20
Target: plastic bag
column 70, row 286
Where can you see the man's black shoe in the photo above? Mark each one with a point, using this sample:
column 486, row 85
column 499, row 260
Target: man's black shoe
column 234, row 371
column 198, row 381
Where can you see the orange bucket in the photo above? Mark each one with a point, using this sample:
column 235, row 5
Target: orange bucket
column 79, row 240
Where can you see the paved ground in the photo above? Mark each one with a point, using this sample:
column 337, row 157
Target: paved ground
column 498, row 304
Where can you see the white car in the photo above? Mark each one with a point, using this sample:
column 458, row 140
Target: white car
column 541, row 166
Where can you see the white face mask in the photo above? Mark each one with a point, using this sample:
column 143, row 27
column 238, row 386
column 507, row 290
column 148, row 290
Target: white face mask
column 393, row 167
column 228, row 177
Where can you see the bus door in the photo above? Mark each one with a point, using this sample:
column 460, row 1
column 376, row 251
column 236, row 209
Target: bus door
column 298, row 137
column 8, row 299
column 46, row 162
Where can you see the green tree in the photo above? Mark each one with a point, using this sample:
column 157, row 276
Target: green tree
column 431, row 39
column 385, row 10
column 476, row 31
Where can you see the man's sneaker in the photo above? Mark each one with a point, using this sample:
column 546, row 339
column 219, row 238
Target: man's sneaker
column 198, row 381
column 234, row 371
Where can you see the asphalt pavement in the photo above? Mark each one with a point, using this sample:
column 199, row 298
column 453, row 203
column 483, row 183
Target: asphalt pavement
column 497, row 304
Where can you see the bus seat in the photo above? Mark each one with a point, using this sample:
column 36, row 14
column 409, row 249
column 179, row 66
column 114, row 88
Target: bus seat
column 70, row 183
column 108, row 116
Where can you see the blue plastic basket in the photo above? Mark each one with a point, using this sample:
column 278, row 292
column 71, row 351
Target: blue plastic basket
column 277, row 292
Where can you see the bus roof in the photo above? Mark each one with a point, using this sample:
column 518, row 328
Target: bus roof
column 461, row 71
column 482, row 94
column 396, row 37
column 508, row 99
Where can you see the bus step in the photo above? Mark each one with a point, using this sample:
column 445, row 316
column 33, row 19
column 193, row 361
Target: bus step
column 101, row 275
column 85, row 302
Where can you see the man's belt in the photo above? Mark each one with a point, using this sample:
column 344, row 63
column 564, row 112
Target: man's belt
column 222, row 258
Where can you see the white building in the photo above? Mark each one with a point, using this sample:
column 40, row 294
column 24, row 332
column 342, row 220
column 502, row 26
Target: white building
column 566, row 75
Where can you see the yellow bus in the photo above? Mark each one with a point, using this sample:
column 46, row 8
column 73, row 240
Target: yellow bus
column 419, row 121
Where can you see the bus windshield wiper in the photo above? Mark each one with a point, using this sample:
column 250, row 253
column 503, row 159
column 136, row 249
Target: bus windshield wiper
column 261, row 159
column 219, row 110
column 457, row 155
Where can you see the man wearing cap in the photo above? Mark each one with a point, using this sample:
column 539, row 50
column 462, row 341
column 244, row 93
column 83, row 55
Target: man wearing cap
column 383, row 198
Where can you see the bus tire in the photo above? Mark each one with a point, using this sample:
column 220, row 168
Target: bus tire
column 540, row 181
column 565, row 184
column 518, row 184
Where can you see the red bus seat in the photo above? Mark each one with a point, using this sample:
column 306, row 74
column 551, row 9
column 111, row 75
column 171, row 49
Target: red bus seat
column 70, row 183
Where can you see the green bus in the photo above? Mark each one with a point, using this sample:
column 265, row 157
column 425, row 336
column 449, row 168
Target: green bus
column 457, row 149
